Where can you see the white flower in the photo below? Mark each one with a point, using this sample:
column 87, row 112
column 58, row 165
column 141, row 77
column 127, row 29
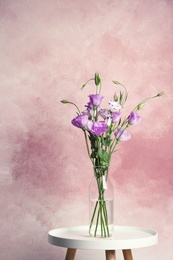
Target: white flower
column 114, row 106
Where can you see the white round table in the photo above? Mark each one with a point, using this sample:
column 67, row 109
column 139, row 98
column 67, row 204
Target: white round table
column 124, row 238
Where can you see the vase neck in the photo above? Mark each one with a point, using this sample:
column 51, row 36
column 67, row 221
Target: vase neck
column 100, row 171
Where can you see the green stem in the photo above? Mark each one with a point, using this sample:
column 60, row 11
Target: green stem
column 142, row 103
column 87, row 82
column 97, row 222
column 87, row 146
column 102, row 217
column 91, row 223
column 101, row 210
column 100, row 88
column 106, row 218
column 68, row 102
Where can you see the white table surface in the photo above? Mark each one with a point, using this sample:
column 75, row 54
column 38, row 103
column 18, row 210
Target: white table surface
column 124, row 237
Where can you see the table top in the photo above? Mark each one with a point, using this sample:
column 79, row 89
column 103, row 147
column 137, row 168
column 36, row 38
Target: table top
column 124, row 237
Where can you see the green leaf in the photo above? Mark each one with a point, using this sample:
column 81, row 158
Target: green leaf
column 104, row 157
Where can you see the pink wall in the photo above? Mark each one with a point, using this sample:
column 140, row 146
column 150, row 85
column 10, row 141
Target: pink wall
column 48, row 49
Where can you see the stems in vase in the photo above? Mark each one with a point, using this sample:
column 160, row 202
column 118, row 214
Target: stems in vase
column 99, row 224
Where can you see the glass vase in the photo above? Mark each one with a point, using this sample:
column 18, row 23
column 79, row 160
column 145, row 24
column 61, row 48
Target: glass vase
column 101, row 204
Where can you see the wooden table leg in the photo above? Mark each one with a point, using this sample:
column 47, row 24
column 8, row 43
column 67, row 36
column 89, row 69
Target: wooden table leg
column 127, row 253
column 70, row 255
column 110, row 255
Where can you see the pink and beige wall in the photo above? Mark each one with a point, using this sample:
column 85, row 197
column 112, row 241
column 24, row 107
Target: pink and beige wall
column 48, row 49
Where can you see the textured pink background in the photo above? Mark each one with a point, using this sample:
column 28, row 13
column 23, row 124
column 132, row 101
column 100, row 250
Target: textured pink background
column 48, row 49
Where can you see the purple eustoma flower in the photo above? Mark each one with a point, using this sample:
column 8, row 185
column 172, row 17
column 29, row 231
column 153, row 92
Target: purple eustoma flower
column 134, row 118
column 89, row 106
column 116, row 116
column 122, row 135
column 97, row 128
column 80, row 121
column 90, row 109
column 95, row 99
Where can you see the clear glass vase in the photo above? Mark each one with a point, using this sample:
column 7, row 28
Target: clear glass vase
column 101, row 204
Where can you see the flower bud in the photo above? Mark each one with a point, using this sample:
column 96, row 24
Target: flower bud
column 64, row 101
column 97, row 79
column 115, row 97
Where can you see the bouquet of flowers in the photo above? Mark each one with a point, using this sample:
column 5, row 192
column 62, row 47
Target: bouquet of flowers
column 103, row 129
